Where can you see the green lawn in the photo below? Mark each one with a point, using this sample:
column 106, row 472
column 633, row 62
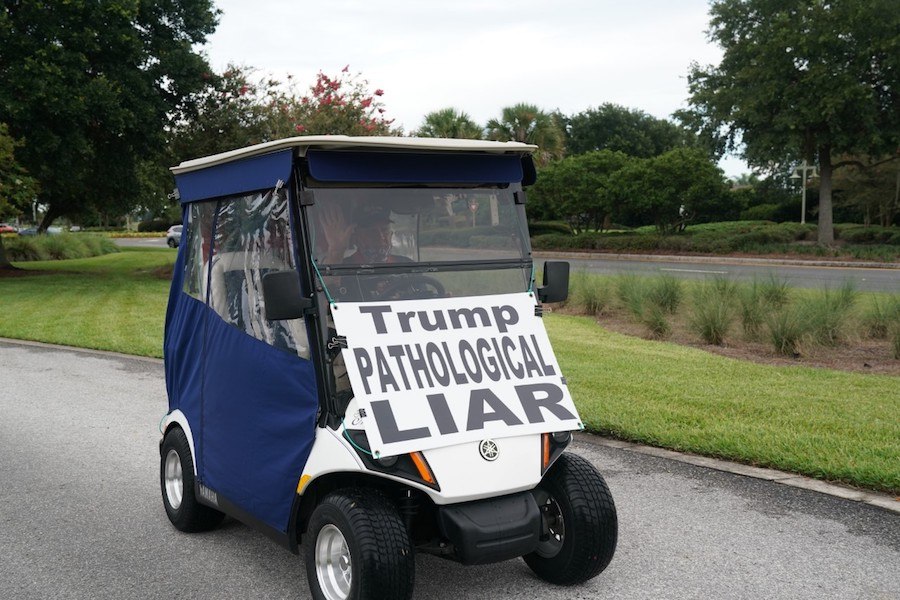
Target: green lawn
column 827, row 424
column 113, row 302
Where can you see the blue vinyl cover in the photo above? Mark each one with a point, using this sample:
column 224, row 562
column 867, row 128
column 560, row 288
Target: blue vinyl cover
column 403, row 167
column 238, row 177
column 251, row 407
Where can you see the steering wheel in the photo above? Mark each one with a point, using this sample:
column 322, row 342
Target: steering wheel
column 412, row 286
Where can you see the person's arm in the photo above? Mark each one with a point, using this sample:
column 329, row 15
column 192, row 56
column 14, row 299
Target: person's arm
column 337, row 232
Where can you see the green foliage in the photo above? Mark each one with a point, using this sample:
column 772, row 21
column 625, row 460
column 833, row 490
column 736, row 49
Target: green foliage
column 58, row 247
column 449, row 123
column 666, row 293
column 827, row 315
column 17, row 189
column 619, row 129
column 713, row 311
column 576, row 189
column 752, row 310
column 90, row 88
column 589, row 295
column 786, row 330
column 529, row 124
column 669, row 190
column 881, row 317
column 801, row 80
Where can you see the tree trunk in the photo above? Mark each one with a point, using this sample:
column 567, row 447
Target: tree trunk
column 826, row 223
column 4, row 261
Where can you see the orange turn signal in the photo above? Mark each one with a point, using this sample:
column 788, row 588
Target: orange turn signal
column 545, row 451
column 423, row 468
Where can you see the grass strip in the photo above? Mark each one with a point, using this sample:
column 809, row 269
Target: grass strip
column 822, row 423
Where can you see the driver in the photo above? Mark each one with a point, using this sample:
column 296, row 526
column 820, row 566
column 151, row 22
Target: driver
column 369, row 232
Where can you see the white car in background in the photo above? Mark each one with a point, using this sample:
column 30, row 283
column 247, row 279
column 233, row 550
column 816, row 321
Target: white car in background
column 173, row 236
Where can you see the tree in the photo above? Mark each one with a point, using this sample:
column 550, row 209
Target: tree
column 449, row 123
column 802, row 79
column 90, row 88
column 614, row 127
column 669, row 190
column 341, row 104
column 17, row 189
column 529, row 124
column 872, row 191
column 576, row 188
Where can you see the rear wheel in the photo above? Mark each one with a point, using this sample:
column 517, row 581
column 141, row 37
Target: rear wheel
column 172, row 243
column 580, row 527
column 176, row 478
column 358, row 548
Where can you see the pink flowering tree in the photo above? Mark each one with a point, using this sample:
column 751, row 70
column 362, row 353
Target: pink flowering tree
column 341, row 104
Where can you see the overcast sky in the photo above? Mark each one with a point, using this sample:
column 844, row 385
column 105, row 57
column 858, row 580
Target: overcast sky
column 478, row 55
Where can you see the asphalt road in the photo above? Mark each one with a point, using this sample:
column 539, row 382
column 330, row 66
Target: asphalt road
column 832, row 277
column 864, row 279
column 81, row 515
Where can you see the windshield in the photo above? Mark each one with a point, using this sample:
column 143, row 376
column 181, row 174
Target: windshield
column 399, row 243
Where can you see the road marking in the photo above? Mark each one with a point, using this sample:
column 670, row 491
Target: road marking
column 695, row 271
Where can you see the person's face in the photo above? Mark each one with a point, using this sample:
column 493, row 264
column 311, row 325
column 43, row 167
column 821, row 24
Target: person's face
column 374, row 241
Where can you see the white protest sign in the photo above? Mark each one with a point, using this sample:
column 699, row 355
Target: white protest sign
column 444, row 371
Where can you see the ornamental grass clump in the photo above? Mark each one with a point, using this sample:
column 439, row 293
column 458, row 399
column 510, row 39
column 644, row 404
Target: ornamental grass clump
column 753, row 309
column 776, row 292
column 589, row 294
column 713, row 311
column 654, row 319
column 632, row 293
column 786, row 331
column 828, row 315
column 895, row 340
column 665, row 292
column 880, row 316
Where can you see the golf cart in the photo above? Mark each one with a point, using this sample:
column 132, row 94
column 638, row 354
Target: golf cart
column 355, row 354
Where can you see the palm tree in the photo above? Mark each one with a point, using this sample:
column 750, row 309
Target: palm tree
column 449, row 123
column 529, row 124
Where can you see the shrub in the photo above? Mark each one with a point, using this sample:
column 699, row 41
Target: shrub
column 58, row 247
column 656, row 323
column 767, row 212
column 753, row 310
column 785, row 331
column 588, row 294
column 665, row 292
column 632, row 294
column 881, row 316
column 713, row 311
column 775, row 291
column 25, row 249
column 827, row 315
column 544, row 227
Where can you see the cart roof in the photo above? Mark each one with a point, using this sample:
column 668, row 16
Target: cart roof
column 344, row 142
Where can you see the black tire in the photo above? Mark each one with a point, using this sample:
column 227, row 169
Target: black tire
column 186, row 514
column 172, row 243
column 583, row 544
column 381, row 556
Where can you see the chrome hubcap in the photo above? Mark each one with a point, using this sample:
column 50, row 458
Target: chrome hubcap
column 174, row 479
column 556, row 528
column 333, row 568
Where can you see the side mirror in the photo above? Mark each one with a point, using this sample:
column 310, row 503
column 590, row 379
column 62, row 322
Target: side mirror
column 282, row 296
column 556, row 282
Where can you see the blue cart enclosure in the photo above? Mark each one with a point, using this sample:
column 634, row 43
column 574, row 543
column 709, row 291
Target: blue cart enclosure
column 246, row 385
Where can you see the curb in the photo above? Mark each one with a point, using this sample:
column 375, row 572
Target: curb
column 780, row 477
column 103, row 353
column 719, row 260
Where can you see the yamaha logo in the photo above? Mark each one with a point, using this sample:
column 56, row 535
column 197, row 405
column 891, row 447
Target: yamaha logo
column 489, row 450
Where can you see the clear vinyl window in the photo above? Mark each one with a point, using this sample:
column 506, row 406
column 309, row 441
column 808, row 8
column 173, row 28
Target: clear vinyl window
column 253, row 237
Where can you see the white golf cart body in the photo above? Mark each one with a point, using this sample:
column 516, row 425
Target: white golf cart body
column 426, row 375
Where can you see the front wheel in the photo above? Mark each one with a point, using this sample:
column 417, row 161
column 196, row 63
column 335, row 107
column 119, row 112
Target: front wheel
column 176, row 478
column 580, row 527
column 358, row 548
